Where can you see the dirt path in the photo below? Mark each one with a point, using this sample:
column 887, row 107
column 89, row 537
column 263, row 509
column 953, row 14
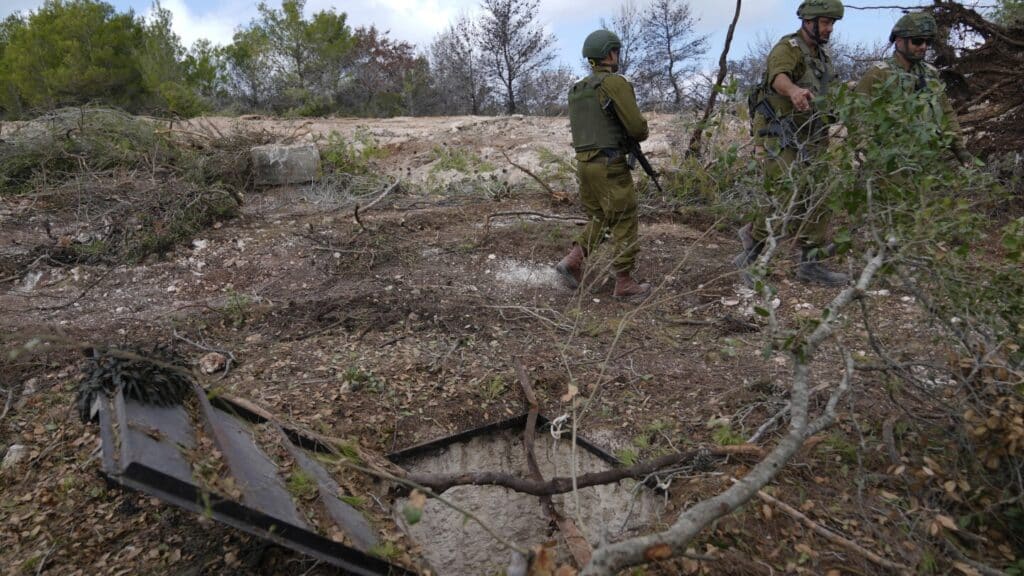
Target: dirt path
column 394, row 334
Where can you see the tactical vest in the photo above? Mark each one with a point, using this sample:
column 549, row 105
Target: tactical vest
column 818, row 74
column 593, row 127
column 923, row 80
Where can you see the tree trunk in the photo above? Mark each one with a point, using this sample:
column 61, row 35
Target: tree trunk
column 723, row 68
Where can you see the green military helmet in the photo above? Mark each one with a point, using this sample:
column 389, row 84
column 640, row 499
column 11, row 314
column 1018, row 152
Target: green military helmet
column 599, row 43
column 811, row 9
column 914, row 25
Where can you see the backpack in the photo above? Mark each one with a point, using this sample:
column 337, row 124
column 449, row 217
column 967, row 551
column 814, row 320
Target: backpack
column 754, row 98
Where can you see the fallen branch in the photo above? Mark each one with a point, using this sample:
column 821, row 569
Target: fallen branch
column 228, row 355
column 673, row 541
column 832, row 536
column 577, row 544
column 562, row 485
column 530, row 174
column 78, row 298
column 388, row 190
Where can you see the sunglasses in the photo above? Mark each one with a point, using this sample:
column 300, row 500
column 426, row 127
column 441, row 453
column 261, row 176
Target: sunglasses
column 920, row 41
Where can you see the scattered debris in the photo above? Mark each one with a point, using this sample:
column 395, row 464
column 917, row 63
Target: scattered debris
column 16, row 454
column 212, row 362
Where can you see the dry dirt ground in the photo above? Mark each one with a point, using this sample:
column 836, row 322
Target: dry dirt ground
column 406, row 330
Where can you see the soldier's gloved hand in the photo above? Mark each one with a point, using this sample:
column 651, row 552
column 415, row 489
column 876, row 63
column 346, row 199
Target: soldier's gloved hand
column 801, row 99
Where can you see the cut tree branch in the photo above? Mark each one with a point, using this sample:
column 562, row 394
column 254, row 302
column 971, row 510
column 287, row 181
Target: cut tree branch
column 562, row 485
column 832, row 536
column 614, row 558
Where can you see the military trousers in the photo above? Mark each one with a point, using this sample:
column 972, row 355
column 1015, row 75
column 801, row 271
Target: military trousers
column 610, row 200
column 788, row 181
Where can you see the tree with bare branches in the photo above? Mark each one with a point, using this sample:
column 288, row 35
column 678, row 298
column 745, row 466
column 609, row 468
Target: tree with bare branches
column 514, row 44
column 458, row 68
column 626, row 25
column 671, row 47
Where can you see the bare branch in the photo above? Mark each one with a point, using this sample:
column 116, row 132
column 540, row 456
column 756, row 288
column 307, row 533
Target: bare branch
column 613, row 558
column 562, row 485
column 832, row 536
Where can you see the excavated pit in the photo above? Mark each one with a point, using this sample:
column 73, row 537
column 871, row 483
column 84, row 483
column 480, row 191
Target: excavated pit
column 456, row 547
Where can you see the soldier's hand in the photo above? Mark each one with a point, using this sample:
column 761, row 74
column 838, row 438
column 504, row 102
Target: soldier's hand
column 801, row 99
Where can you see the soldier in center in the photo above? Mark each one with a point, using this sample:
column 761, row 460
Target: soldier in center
column 790, row 130
column 603, row 113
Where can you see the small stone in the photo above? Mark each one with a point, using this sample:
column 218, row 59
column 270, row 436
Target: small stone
column 212, row 362
column 16, row 454
column 254, row 338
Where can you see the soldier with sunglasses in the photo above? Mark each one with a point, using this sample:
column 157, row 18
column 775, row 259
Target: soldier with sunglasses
column 912, row 35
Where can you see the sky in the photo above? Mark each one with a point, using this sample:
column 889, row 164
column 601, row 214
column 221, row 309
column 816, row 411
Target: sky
column 419, row 21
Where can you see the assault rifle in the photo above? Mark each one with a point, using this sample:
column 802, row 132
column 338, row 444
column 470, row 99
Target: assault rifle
column 634, row 155
column 783, row 129
column 633, row 152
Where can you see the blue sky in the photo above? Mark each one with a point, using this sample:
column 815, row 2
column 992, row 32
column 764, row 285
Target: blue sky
column 418, row 21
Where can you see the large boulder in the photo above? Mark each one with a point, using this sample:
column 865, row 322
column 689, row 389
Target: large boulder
column 277, row 165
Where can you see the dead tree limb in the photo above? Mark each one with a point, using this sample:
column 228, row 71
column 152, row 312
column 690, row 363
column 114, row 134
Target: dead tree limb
column 530, row 174
column 614, row 558
column 562, row 485
column 832, row 536
column 388, row 190
column 578, row 545
column 723, row 69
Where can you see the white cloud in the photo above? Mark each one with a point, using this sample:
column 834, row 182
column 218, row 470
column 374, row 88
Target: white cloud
column 12, row 6
column 415, row 21
column 217, row 25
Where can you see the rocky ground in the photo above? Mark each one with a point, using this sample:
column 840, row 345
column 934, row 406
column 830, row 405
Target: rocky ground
column 404, row 326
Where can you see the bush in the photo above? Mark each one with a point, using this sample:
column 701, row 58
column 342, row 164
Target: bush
column 354, row 156
column 94, row 157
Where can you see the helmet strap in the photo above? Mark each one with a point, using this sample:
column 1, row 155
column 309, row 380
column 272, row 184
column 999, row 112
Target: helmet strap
column 815, row 32
column 910, row 57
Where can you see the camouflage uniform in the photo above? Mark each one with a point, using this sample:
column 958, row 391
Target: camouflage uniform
column 604, row 117
column 790, row 138
column 921, row 79
column 808, row 68
column 606, row 183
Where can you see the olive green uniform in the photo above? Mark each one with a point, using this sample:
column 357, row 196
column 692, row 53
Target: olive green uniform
column 922, row 79
column 602, row 112
column 809, row 68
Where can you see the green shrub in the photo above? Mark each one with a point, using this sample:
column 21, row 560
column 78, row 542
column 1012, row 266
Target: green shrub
column 354, row 156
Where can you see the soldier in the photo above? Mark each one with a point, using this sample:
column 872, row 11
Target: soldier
column 911, row 36
column 603, row 113
column 789, row 133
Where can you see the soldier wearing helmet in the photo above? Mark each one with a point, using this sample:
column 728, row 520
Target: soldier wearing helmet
column 912, row 35
column 603, row 113
column 799, row 73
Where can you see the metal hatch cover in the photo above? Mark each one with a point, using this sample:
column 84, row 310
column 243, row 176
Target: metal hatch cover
column 143, row 448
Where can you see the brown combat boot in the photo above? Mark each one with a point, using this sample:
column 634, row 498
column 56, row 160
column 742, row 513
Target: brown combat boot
column 628, row 289
column 571, row 267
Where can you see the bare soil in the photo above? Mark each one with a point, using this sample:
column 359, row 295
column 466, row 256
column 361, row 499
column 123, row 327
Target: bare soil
column 406, row 330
